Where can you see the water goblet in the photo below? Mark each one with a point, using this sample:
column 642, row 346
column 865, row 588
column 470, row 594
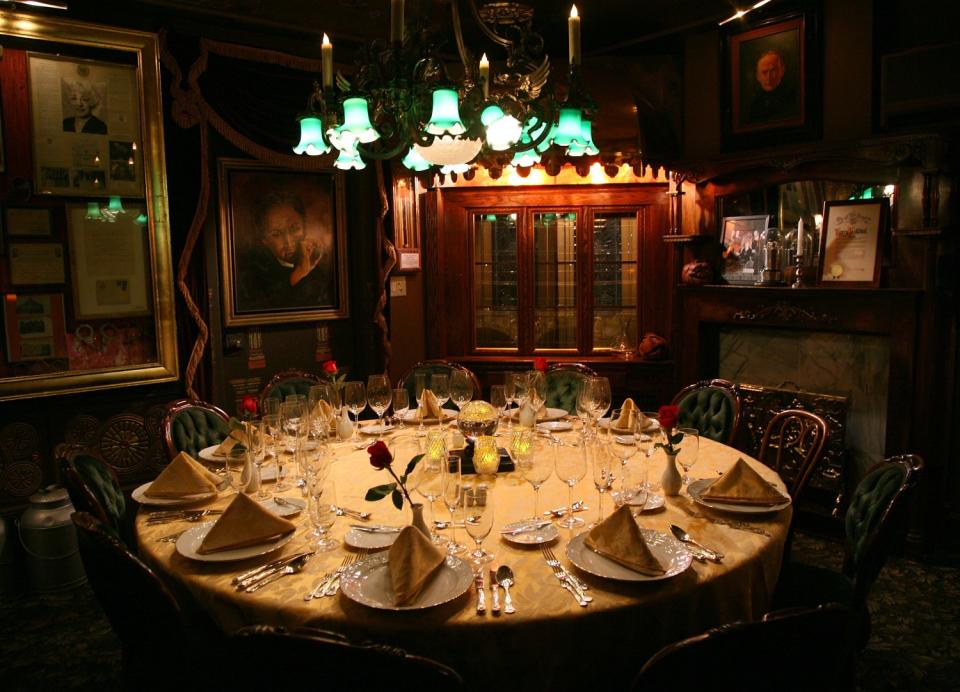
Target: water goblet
column 428, row 477
column 603, row 472
column 421, row 382
column 291, row 413
column 321, row 417
column 355, row 399
column 535, row 465
column 259, row 450
column 519, row 380
column 452, row 495
column 622, row 443
column 237, row 460
column 571, row 468
column 322, row 508
column 401, row 404
column 478, row 518
column 379, row 395
column 269, row 406
column 272, row 428
column 461, row 388
column 498, row 399
column 536, row 389
column 633, row 486
column 688, row 448
column 584, row 407
column 440, row 386
column 509, row 394
column 601, row 397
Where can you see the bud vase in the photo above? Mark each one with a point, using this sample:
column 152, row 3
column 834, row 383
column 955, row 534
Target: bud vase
column 670, row 481
column 418, row 521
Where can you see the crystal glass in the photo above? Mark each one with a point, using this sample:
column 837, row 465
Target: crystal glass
column 478, row 518
column 379, row 395
column 453, row 499
column 428, row 477
column 622, row 444
column 486, row 456
column 237, row 459
column 585, row 406
column 536, row 389
column 461, row 388
column 604, row 471
column 291, row 414
column 440, row 386
column 421, row 382
column 519, row 387
column 273, row 429
column 571, row 467
column 509, row 395
column 259, row 450
column 601, row 397
column 535, row 464
column 322, row 508
column 322, row 419
column 355, row 399
column 269, row 406
column 633, row 486
column 689, row 448
column 401, row 405
column 498, row 398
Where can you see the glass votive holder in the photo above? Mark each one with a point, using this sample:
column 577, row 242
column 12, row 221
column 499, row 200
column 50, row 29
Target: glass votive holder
column 486, row 456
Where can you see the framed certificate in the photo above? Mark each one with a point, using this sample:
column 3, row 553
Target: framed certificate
column 850, row 242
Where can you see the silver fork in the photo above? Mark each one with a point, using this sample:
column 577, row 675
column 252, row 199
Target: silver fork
column 321, row 585
column 194, row 516
column 334, row 586
column 577, row 581
column 554, row 564
column 171, row 538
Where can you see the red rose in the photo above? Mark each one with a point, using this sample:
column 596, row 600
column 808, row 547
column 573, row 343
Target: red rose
column 540, row 363
column 380, row 457
column 249, row 404
column 330, row 367
column 667, row 416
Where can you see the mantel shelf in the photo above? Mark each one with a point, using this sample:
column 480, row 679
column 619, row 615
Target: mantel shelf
column 688, row 238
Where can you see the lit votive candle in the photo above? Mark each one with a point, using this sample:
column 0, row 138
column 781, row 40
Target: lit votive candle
column 486, row 457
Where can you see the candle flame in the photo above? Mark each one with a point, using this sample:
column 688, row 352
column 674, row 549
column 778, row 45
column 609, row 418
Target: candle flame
column 483, row 59
column 573, row 11
column 326, row 40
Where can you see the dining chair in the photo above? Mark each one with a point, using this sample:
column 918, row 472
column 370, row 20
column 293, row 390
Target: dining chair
column 874, row 521
column 190, row 425
column 342, row 663
column 798, row 649
column 94, row 488
column 712, row 407
column 792, row 445
column 430, row 367
column 563, row 384
column 287, row 382
column 158, row 649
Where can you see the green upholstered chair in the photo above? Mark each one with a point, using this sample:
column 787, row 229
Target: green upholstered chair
column 712, row 407
column 873, row 521
column 563, row 384
column 94, row 488
column 429, row 367
column 287, row 382
column 190, row 425
column 799, row 649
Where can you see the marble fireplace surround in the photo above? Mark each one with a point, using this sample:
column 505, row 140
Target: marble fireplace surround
column 855, row 342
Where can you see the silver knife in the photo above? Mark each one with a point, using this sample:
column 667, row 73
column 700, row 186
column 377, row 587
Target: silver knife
column 495, row 592
column 481, row 596
column 526, row 528
column 376, row 528
column 259, row 572
column 291, row 568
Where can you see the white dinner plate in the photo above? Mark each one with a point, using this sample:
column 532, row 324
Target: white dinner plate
column 534, row 537
column 552, row 414
column 368, row 583
column 654, row 501
column 375, row 429
column 411, row 416
column 287, row 510
column 366, row 539
column 268, row 473
column 209, row 454
column 139, row 494
column 190, row 541
column 668, row 550
column 555, row 425
column 698, row 486
column 651, row 425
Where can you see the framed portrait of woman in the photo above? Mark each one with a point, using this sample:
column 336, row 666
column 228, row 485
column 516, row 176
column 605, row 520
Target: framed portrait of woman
column 282, row 244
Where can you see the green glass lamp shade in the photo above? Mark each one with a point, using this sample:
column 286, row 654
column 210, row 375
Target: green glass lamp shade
column 503, row 131
column 584, row 145
column 141, row 220
column 356, row 120
column 528, row 154
column 414, row 162
column 525, row 159
column 93, row 211
column 568, row 128
column 312, row 142
column 348, row 159
column 445, row 119
column 115, row 205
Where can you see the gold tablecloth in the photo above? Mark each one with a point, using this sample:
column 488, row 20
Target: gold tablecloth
column 551, row 642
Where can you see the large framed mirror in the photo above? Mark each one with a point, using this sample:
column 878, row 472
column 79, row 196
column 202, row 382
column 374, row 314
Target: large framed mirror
column 85, row 263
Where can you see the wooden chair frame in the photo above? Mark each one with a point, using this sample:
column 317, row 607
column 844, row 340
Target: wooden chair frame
column 171, row 411
column 477, row 390
column 795, row 429
column 288, row 374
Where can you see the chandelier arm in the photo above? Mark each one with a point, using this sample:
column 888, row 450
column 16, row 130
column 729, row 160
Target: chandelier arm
column 465, row 56
column 488, row 32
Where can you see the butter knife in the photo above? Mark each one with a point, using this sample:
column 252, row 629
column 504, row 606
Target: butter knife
column 376, row 528
column 526, row 528
column 495, row 593
column 481, row 596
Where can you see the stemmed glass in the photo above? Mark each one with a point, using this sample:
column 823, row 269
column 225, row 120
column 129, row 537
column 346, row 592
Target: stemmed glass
column 603, row 472
column 420, row 386
column 461, row 388
column 478, row 518
column 322, row 508
column 379, row 395
column 321, row 417
column 535, row 466
column 271, row 426
column 633, row 486
column 236, row 465
column 571, row 468
column 401, row 404
column 269, row 405
column 688, row 448
column 622, row 444
column 585, row 406
column 498, row 399
column 429, row 480
column 259, row 449
column 440, row 386
column 601, row 398
column 453, row 499
column 536, row 389
column 355, row 399
column 509, row 395
column 519, row 390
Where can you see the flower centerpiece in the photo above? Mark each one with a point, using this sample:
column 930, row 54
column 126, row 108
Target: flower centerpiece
column 667, row 416
column 381, row 458
column 248, row 407
column 540, row 364
column 334, row 374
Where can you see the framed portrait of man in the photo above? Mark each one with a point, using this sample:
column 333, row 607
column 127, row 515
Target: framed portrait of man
column 282, row 244
column 771, row 79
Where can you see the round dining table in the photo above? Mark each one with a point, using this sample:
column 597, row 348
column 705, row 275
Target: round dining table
column 550, row 642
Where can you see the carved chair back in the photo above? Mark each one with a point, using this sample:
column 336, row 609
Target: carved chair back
column 795, row 439
column 429, row 367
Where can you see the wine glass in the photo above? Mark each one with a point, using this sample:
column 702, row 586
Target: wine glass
column 401, row 404
column 571, row 468
column 478, row 518
column 621, row 443
column 536, row 389
column 237, row 459
column 461, row 388
column 585, row 406
column 322, row 508
column 291, row 413
column 509, row 394
column 321, row 417
column 633, row 486
column 535, row 465
column 603, row 472
column 355, row 399
column 453, row 499
column 379, row 395
column 601, row 397
column 429, row 482
column 420, row 386
column 440, row 386
column 273, row 429
column 688, row 448
column 259, row 448
column 498, row 399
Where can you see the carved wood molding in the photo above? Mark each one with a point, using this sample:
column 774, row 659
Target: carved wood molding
column 783, row 312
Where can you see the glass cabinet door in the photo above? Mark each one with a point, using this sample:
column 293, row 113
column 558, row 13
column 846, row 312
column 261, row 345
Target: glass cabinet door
column 555, row 280
column 496, row 298
column 614, row 280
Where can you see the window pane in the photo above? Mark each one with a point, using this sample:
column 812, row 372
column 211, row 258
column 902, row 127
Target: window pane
column 495, row 280
column 555, row 264
column 614, row 280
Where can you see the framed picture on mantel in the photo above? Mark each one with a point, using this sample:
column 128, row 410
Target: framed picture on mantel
column 850, row 242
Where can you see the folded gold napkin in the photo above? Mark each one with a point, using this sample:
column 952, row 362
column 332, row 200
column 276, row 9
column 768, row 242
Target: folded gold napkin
column 742, row 485
column 430, row 408
column 618, row 537
column 245, row 522
column 412, row 560
column 183, row 476
column 236, row 436
column 629, row 417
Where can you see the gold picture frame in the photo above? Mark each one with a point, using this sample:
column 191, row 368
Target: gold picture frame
column 851, row 241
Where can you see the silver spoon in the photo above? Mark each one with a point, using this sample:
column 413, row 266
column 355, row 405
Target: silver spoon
column 362, row 516
column 577, row 506
column 683, row 536
column 505, row 579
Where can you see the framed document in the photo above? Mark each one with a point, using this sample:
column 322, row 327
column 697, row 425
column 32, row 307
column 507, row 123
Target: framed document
column 850, row 242
column 34, row 326
column 108, row 265
column 28, row 221
column 36, row 264
column 741, row 239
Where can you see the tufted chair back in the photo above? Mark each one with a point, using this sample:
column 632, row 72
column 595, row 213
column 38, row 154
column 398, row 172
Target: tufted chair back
column 429, row 367
column 94, row 488
column 712, row 407
column 189, row 426
column 876, row 513
column 287, row 382
column 563, row 384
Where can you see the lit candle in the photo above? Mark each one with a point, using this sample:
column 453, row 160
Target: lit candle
column 326, row 57
column 396, row 21
column 573, row 26
column 800, row 238
column 485, row 75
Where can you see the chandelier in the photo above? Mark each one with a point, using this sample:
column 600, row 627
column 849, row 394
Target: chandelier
column 403, row 102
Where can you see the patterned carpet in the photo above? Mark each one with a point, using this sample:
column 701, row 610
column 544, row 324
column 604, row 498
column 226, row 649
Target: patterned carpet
column 63, row 641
